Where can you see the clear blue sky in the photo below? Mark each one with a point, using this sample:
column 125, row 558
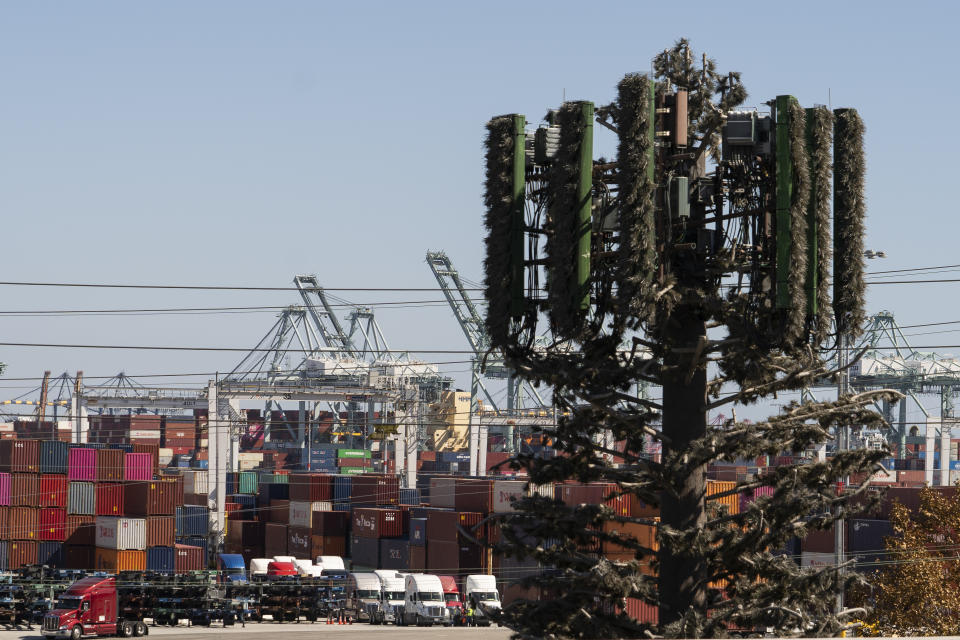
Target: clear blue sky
column 243, row 142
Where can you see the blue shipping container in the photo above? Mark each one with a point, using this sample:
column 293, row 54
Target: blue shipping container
column 410, row 497
column 342, row 487
column 160, row 559
column 453, row 456
column 53, row 457
column 418, row 532
column 50, row 554
column 278, row 491
column 231, row 482
column 192, row 520
column 127, row 448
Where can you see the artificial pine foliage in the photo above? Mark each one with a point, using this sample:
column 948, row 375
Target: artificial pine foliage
column 711, row 571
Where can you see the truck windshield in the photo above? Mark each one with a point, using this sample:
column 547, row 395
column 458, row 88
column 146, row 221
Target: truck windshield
column 368, row 593
column 394, row 595
column 430, row 596
column 485, row 595
column 69, row 602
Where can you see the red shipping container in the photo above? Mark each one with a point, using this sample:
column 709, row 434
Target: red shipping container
column 53, row 524
column 110, row 499
column 311, row 487
column 355, row 463
column 187, row 558
column 53, row 491
column 22, row 553
column 161, row 531
column 109, row 465
column 82, row 464
column 23, row 523
column 642, row 611
column 573, row 494
column 375, row 489
column 473, row 495
column 81, row 530
column 24, row 489
column 149, row 498
column 137, row 466
column 20, row 456
column 176, row 486
column 377, row 523
column 274, row 539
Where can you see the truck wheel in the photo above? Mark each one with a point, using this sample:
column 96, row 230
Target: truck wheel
column 140, row 629
column 126, row 630
column 76, row 633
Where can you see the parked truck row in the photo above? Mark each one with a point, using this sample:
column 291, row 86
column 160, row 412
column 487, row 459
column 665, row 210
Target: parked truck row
column 282, row 589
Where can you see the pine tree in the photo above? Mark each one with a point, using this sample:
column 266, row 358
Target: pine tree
column 729, row 305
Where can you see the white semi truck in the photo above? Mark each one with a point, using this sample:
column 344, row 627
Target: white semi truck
column 423, row 603
column 480, row 592
column 362, row 590
column 390, row 605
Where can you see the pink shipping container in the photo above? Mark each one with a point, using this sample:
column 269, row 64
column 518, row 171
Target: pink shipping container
column 749, row 496
column 4, row 489
column 82, row 464
column 138, row 466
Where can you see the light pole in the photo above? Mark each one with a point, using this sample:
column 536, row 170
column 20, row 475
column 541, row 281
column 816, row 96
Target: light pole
column 843, row 437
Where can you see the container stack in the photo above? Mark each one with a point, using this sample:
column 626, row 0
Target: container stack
column 97, row 506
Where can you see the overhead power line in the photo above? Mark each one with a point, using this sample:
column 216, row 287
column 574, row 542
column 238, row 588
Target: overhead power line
column 178, row 348
column 100, row 285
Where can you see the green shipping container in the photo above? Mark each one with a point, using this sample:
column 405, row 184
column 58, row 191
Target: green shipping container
column 247, row 482
column 354, row 453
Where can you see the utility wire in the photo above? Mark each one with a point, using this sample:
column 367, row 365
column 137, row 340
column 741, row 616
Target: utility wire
column 96, row 285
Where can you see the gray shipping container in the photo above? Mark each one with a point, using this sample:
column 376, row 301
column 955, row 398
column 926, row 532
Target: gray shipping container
column 81, row 498
column 4, row 559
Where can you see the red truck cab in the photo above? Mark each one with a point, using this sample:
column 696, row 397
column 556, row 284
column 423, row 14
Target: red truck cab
column 88, row 607
column 451, row 598
column 281, row 569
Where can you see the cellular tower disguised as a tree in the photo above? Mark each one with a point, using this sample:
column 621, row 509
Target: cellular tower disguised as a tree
column 704, row 246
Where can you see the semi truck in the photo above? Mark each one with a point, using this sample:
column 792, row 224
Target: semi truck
column 451, row 597
column 362, row 590
column 90, row 606
column 423, row 603
column 481, row 593
column 390, row 603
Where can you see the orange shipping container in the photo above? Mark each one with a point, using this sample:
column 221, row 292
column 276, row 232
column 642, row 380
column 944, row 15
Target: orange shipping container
column 113, row 561
column 731, row 502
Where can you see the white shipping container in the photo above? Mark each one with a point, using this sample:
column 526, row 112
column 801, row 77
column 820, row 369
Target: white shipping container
column 443, row 492
column 301, row 513
column 815, row 560
column 248, row 465
column 255, row 456
column 121, row 533
column 146, row 434
column 195, row 483
column 954, row 476
column 504, row 491
column 542, row 490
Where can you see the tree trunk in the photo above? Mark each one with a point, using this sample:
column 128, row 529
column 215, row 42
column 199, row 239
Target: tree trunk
column 683, row 572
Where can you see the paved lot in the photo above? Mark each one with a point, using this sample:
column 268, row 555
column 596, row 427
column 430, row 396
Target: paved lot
column 306, row 631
